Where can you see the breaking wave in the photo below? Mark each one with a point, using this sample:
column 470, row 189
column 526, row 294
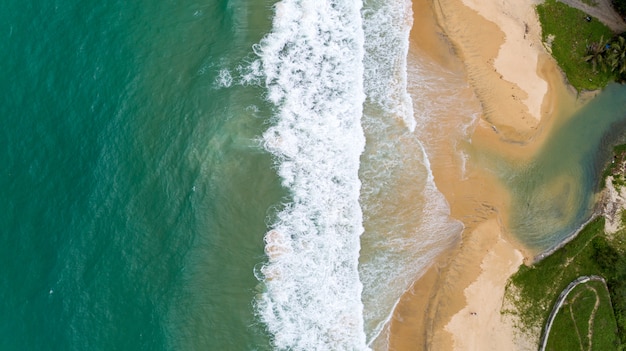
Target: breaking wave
column 313, row 70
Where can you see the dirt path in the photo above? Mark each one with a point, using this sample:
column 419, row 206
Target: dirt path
column 590, row 322
column 559, row 302
column 603, row 11
column 571, row 314
column 593, row 317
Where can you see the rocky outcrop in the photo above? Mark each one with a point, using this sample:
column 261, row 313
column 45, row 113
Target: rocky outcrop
column 613, row 203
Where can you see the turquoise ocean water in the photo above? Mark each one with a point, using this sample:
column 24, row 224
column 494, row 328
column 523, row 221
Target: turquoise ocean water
column 134, row 198
column 214, row 175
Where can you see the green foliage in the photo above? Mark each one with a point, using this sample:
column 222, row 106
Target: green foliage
column 571, row 328
column 573, row 35
column 533, row 290
column 596, row 54
column 613, row 266
column 604, row 254
column 605, row 333
column 609, row 56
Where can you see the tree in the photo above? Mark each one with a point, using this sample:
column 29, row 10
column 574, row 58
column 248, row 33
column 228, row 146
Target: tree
column 595, row 53
column 609, row 56
column 616, row 55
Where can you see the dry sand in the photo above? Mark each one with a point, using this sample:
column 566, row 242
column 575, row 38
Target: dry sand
column 480, row 325
column 499, row 42
column 456, row 304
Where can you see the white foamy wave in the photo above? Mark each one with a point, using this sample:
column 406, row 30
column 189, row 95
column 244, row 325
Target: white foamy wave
column 387, row 25
column 224, row 79
column 439, row 95
column 312, row 64
column 407, row 220
column 443, row 98
column 251, row 73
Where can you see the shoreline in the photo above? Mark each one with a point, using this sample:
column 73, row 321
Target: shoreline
column 456, row 302
column 571, row 236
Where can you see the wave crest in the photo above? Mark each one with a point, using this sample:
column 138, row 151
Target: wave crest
column 313, row 70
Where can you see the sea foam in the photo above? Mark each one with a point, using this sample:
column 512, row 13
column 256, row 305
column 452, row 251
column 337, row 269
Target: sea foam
column 407, row 220
column 312, row 65
column 387, row 25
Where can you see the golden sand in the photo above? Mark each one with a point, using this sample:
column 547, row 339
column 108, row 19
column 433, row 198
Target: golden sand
column 456, row 304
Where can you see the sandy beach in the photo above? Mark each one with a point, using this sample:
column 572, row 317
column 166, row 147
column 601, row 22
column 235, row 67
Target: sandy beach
column 497, row 46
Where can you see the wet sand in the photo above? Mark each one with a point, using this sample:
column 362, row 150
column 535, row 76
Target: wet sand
column 518, row 90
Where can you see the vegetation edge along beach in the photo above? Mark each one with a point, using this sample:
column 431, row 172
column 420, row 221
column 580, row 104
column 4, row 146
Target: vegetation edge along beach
column 591, row 56
column 589, row 52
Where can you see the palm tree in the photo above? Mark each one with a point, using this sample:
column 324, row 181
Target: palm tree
column 616, row 56
column 595, row 53
column 609, row 56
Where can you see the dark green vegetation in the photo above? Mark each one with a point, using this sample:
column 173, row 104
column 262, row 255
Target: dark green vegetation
column 533, row 290
column 569, row 35
column 609, row 56
column 585, row 319
column 610, row 256
column 620, row 7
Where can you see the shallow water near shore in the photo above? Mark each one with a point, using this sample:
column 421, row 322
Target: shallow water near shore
column 554, row 193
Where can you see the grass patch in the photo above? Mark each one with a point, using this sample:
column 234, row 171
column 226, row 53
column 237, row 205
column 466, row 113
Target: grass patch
column 571, row 327
column 568, row 33
column 605, row 335
column 533, row 290
column 610, row 255
column 569, row 331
